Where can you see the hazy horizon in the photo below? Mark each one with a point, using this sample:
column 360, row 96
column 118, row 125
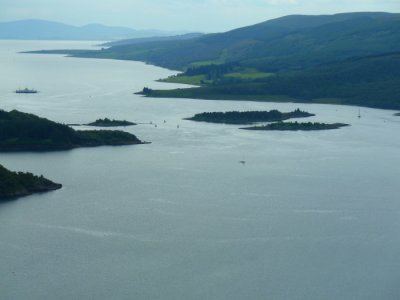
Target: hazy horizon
column 178, row 15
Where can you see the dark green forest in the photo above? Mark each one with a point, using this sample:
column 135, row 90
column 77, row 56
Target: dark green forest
column 296, row 126
column 369, row 81
column 26, row 132
column 248, row 117
column 18, row 184
column 106, row 122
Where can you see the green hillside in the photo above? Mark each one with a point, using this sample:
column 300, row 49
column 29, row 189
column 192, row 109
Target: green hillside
column 349, row 58
column 152, row 39
column 290, row 42
column 369, row 81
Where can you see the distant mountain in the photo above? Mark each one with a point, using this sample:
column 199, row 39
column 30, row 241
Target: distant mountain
column 48, row 30
column 136, row 41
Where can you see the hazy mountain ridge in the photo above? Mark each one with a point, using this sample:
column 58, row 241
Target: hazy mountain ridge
column 49, row 30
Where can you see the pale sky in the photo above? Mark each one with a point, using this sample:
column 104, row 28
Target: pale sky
column 190, row 15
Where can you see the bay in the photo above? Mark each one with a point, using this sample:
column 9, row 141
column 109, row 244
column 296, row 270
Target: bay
column 311, row 215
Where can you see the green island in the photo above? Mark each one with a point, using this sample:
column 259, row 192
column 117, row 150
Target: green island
column 248, row 117
column 18, row 184
column 295, row 126
column 110, row 123
column 27, row 132
column 347, row 58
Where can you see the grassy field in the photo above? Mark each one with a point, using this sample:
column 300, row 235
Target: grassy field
column 192, row 80
column 206, row 63
column 248, row 74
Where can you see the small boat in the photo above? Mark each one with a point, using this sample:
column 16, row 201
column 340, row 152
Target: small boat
column 359, row 113
column 26, row 91
column 243, row 162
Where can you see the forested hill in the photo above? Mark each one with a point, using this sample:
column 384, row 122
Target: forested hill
column 290, row 42
column 372, row 81
column 350, row 58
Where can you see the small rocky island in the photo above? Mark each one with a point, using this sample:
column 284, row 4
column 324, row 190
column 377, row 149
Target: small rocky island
column 19, row 184
column 27, row 132
column 110, row 123
column 397, row 114
column 248, row 117
column 295, row 126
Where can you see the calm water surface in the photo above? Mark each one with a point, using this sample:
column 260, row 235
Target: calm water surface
column 311, row 215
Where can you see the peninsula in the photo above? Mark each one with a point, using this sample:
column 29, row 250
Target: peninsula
column 295, row 126
column 110, row 123
column 248, row 117
column 27, row 132
column 19, row 184
column 347, row 58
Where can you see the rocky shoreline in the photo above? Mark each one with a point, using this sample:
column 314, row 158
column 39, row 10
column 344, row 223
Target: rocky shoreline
column 19, row 184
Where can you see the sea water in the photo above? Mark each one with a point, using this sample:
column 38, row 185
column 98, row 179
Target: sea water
column 310, row 215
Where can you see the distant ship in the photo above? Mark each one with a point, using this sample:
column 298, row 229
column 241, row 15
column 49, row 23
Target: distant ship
column 26, row 91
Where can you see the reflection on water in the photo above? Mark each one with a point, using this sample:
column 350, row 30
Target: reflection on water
column 311, row 215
